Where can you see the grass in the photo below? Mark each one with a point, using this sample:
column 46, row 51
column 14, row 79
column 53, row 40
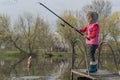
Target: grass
column 9, row 55
column 14, row 54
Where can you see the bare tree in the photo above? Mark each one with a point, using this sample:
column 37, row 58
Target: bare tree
column 4, row 30
column 30, row 34
column 103, row 7
column 66, row 32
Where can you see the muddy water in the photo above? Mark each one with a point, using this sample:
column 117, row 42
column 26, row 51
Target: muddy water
column 45, row 69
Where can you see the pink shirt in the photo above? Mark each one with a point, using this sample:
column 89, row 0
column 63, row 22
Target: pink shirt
column 91, row 31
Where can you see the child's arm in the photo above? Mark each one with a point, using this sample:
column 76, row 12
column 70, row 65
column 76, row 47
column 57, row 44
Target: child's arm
column 83, row 29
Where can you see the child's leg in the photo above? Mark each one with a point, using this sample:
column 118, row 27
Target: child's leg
column 91, row 55
column 91, row 52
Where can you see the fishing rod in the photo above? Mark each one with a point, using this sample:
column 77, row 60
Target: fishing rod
column 62, row 19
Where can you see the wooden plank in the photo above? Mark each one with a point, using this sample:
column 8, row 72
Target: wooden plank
column 96, row 75
column 99, row 72
column 84, row 74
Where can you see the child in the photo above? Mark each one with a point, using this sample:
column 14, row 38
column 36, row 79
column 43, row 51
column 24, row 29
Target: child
column 92, row 38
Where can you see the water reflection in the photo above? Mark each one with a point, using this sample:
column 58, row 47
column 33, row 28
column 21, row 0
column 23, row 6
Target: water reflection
column 45, row 69
column 42, row 69
column 2, row 62
column 34, row 78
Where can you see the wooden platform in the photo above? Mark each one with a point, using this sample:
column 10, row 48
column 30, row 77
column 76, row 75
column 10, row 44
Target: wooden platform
column 99, row 75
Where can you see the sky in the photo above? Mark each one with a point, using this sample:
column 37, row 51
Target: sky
column 15, row 8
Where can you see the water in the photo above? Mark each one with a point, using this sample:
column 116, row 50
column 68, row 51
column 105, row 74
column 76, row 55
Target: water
column 43, row 71
column 46, row 69
column 34, row 78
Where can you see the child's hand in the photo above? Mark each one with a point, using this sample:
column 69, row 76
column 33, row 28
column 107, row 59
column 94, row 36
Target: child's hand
column 87, row 37
column 76, row 29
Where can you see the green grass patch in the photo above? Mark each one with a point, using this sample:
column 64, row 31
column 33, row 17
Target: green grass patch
column 10, row 55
